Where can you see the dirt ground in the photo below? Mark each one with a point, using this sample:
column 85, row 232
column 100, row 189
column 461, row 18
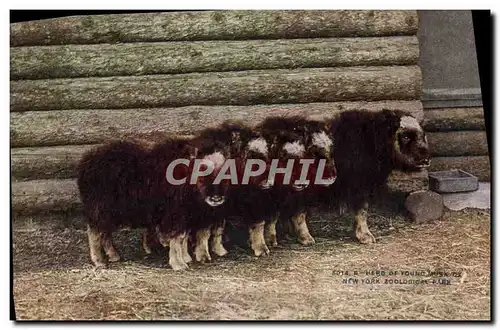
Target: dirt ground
column 53, row 278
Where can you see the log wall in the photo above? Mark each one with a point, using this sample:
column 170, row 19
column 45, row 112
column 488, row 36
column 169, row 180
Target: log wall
column 458, row 140
column 82, row 80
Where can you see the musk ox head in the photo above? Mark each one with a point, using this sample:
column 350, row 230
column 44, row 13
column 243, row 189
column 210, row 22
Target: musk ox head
column 208, row 160
column 320, row 149
column 245, row 147
column 411, row 150
column 257, row 161
column 288, row 152
column 308, row 142
column 212, row 192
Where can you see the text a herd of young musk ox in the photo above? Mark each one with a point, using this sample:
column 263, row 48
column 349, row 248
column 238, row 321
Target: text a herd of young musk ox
column 123, row 183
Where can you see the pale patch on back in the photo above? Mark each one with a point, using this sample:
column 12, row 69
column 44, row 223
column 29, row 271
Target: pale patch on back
column 295, row 149
column 258, row 145
column 217, row 158
column 322, row 140
column 408, row 122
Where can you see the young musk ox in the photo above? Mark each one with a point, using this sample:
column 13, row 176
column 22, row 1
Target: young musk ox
column 368, row 146
column 123, row 184
column 292, row 200
column 258, row 202
column 249, row 194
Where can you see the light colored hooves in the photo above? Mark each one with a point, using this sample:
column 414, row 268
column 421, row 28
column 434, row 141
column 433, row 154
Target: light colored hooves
column 99, row 264
column 98, row 261
column 272, row 241
column 261, row 250
column 307, row 240
column 114, row 258
column 202, row 256
column 187, row 258
column 219, row 251
column 365, row 237
column 178, row 265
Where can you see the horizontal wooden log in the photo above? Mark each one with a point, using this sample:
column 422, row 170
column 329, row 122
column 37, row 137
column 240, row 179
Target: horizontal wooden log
column 47, row 162
column 454, row 119
column 43, row 196
column 49, row 128
column 476, row 165
column 458, row 143
column 232, row 88
column 52, row 220
column 98, row 126
column 213, row 25
column 182, row 57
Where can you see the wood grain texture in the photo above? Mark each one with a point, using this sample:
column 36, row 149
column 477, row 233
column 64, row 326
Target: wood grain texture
column 458, row 143
column 213, row 25
column 42, row 196
column 454, row 119
column 49, row 128
column 70, row 61
column 227, row 88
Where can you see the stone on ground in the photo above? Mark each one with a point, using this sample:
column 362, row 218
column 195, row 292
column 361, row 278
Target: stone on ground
column 424, row 206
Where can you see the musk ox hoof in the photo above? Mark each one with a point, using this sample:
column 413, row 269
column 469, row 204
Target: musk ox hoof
column 307, row 240
column 365, row 237
column 114, row 258
column 100, row 265
column 203, row 257
column 187, row 258
column 272, row 241
column 219, row 251
column 179, row 265
column 261, row 250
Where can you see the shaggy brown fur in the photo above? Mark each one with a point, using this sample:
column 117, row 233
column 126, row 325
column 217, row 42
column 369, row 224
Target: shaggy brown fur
column 291, row 200
column 368, row 146
column 242, row 199
column 123, row 184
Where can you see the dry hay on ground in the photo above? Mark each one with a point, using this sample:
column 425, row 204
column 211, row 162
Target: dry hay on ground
column 53, row 278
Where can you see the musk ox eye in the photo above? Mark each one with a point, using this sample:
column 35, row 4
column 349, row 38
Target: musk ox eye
column 405, row 139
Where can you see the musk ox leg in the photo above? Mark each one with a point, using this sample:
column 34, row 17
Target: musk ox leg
column 270, row 232
column 95, row 247
column 145, row 243
column 149, row 238
column 287, row 228
column 342, row 209
column 217, row 246
column 201, row 249
column 300, row 224
column 162, row 238
column 257, row 241
column 185, row 252
column 175, row 254
column 109, row 249
column 362, row 232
